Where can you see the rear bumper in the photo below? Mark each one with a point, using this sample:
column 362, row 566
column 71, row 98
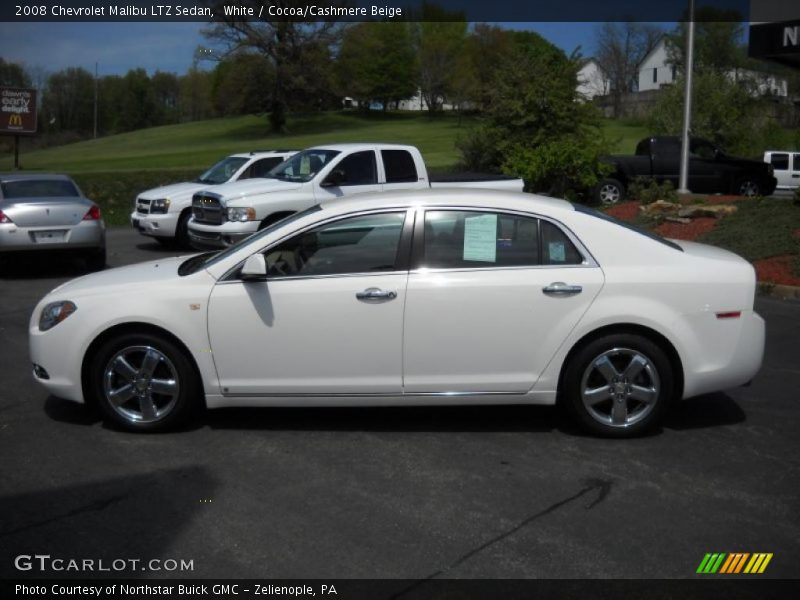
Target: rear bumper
column 769, row 185
column 214, row 237
column 84, row 235
column 163, row 225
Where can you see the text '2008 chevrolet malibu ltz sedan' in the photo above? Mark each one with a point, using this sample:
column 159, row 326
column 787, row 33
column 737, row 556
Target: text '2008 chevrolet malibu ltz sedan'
column 425, row 297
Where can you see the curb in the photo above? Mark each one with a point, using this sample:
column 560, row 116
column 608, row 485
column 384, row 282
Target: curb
column 775, row 290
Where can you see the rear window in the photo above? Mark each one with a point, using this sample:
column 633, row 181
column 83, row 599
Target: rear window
column 780, row 162
column 39, row 188
column 399, row 165
column 648, row 234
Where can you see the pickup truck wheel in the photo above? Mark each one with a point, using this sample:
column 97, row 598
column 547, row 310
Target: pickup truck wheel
column 748, row 187
column 182, row 230
column 609, row 191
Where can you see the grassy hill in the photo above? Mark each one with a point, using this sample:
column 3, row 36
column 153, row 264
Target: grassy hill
column 112, row 170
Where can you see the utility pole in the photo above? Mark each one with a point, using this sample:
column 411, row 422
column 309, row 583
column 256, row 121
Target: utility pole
column 95, row 100
column 683, row 183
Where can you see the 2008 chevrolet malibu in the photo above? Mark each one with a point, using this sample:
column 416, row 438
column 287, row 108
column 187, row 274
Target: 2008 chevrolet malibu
column 436, row 297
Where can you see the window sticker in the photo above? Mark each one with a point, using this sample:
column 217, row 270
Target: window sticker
column 480, row 238
column 558, row 252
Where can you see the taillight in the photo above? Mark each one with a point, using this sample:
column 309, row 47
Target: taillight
column 93, row 214
column 4, row 218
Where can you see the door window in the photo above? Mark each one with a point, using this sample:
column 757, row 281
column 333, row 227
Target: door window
column 557, row 249
column 364, row 244
column 780, row 162
column 796, row 162
column 260, row 168
column 359, row 168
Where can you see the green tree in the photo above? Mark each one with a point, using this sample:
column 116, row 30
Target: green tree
column 68, row 101
column 242, row 84
column 138, row 106
column 376, row 61
column 195, row 95
column 13, row 75
column 166, row 91
column 717, row 41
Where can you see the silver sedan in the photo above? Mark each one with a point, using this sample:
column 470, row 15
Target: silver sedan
column 40, row 212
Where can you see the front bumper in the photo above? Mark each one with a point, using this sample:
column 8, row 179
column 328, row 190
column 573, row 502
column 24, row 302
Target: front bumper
column 84, row 235
column 214, row 237
column 63, row 369
column 155, row 225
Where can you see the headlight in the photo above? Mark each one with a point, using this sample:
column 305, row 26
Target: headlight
column 54, row 313
column 241, row 214
column 159, row 206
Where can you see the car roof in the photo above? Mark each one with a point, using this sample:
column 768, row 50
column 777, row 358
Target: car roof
column 261, row 153
column 33, row 177
column 361, row 146
column 447, row 197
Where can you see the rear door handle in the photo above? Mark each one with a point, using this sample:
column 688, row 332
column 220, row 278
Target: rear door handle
column 376, row 295
column 559, row 288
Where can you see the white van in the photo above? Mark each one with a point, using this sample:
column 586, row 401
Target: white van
column 787, row 167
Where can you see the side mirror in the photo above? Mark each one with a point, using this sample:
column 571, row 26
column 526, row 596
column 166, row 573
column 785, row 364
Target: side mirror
column 334, row 179
column 254, row 268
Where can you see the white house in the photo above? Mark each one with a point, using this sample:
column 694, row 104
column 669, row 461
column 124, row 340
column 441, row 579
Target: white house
column 592, row 80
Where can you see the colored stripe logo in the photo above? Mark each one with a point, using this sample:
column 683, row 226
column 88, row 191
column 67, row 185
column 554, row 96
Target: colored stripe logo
column 734, row 563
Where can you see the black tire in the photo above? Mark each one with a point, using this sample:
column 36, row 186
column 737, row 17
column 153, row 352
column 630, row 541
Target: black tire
column 134, row 348
column 587, row 370
column 96, row 260
column 747, row 187
column 609, row 191
column 182, row 231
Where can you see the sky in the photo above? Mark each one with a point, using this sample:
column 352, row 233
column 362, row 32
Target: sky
column 118, row 47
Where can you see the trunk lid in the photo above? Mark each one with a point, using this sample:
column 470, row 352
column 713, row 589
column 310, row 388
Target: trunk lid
column 47, row 212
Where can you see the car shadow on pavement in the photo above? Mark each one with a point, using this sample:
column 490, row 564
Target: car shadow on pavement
column 65, row 411
column 42, row 266
column 133, row 515
column 710, row 410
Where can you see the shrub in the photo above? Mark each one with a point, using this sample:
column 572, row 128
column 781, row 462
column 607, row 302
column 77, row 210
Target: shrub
column 647, row 190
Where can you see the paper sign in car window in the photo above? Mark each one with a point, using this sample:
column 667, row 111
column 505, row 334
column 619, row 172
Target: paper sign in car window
column 480, row 238
column 558, row 252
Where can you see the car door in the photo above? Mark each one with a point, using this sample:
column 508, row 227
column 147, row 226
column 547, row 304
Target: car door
column 328, row 318
column 490, row 298
column 705, row 171
column 794, row 179
column 782, row 169
column 358, row 173
column 666, row 159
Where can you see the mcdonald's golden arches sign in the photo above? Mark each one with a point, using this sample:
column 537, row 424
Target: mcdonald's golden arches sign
column 17, row 110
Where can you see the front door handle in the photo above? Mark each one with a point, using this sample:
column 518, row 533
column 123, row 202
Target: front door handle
column 376, row 295
column 559, row 288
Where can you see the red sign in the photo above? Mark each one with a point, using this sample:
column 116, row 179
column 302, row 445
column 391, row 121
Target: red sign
column 17, row 110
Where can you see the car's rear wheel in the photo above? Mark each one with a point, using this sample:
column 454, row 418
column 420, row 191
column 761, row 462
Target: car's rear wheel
column 619, row 385
column 748, row 187
column 609, row 191
column 144, row 382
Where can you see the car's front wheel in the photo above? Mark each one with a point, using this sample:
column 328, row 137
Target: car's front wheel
column 143, row 382
column 619, row 385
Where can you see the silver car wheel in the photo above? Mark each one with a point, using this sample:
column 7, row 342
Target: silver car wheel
column 620, row 387
column 141, row 384
column 748, row 188
column 609, row 193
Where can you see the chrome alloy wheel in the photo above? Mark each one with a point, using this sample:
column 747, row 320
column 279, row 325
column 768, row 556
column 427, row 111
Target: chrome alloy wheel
column 141, row 384
column 609, row 193
column 620, row 387
column 748, row 188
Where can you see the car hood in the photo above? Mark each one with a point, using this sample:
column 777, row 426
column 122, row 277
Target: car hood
column 137, row 278
column 241, row 190
column 185, row 188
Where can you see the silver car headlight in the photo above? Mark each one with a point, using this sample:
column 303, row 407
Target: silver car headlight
column 159, row 206
column 54, row 313
column 241, row 214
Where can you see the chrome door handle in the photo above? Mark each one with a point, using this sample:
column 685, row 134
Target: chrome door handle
column 374, row 294
column 559, row 288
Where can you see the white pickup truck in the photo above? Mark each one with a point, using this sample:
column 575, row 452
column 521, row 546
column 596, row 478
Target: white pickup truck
column 163, row 212
column 233, row 211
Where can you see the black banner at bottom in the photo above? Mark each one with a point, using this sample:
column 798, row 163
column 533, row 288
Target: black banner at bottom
column 389, row 589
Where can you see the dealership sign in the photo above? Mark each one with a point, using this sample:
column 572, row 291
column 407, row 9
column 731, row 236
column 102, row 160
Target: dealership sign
column 17, row 110
column 779, row 42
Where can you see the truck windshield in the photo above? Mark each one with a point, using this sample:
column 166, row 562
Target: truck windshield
column 303, row 166
column 222, row 171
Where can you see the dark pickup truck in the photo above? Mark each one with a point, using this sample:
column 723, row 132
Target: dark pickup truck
column 711, row 171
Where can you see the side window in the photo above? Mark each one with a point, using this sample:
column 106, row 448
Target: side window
column 359, row 168
column 780, row 162
column 796, row 165
column 701, row 150
column 399, row 166
column 465, row 239
column 261, row 167
column 557, row 249
column 366, row 244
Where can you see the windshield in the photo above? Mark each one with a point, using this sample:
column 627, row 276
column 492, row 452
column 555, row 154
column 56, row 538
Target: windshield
column 303, row 166
column 39, row 188
column 223, row 170
column 649, row 234
column 203, row 261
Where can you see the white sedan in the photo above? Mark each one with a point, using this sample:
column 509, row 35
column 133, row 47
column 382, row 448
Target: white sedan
column 425, row 297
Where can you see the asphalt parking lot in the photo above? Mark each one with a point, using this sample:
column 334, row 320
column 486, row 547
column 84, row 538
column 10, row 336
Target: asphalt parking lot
column 491, row 492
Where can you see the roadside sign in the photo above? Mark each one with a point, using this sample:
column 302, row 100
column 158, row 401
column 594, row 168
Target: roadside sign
column 17, row 111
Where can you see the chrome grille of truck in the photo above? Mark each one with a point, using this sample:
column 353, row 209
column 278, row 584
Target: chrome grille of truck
column 143, row 206
column 207, row 209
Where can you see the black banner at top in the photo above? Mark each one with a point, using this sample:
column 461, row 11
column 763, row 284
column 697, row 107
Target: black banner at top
column 364, row 10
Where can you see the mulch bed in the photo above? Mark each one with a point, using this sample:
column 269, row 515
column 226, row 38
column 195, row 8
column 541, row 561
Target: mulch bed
column 778, row 269
column 624, row 211
column 686, row 231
